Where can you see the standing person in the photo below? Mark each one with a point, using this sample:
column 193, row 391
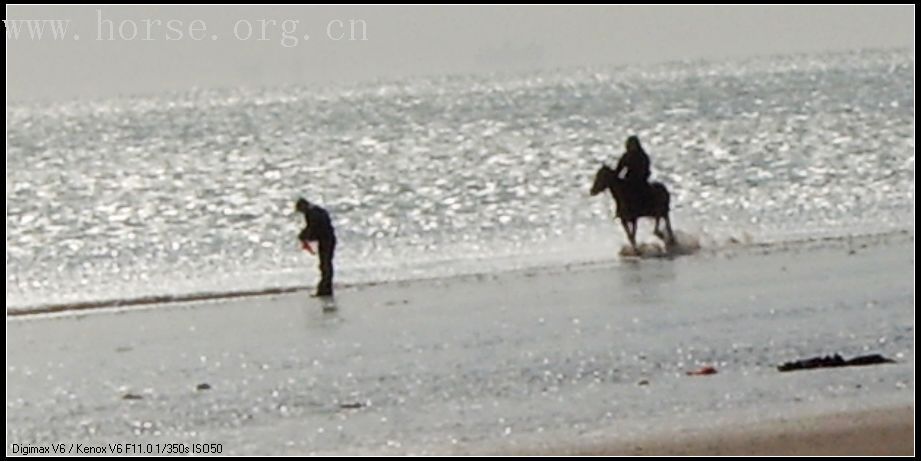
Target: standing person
column 319, row 229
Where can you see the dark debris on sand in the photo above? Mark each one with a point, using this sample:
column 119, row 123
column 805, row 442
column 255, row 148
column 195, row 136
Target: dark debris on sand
column 836, row 360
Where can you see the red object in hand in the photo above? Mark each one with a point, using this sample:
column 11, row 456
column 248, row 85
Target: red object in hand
column 702, row 371
column 306, row 246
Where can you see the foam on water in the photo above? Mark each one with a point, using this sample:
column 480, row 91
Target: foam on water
column 193, row 192
column 682, row 244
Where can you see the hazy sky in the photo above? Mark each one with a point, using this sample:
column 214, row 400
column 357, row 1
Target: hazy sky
column 405, row 40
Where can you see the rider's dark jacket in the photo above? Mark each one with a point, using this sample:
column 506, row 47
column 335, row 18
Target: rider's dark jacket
column 636, row 162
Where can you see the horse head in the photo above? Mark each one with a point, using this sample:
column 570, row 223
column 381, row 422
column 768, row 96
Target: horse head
column 602, row 179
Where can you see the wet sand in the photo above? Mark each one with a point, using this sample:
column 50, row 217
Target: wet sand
column 879, row 432
column 583, row 359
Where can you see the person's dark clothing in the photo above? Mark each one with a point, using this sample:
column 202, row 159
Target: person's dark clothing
column 319, row 226
column 320, row 229
column 636, row 162
column 325, row 251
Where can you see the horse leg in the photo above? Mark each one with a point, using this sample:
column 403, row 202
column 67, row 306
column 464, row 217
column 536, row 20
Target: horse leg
column 668, row 226
column 658, row 232
column 633, row 235
column 629, row 233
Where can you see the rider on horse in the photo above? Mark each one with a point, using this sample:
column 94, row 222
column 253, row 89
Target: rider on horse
column 636, row 162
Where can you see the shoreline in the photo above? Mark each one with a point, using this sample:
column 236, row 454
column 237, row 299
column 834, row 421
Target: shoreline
column 151, row 301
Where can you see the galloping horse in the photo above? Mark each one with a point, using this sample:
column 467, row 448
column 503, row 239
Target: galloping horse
column 630, row 209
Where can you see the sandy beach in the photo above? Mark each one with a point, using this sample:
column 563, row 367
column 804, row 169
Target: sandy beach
column 588, row 359
column 880, row 432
